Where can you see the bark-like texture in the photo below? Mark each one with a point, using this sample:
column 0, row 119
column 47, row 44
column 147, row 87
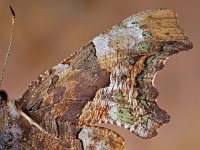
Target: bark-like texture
column 109, row 80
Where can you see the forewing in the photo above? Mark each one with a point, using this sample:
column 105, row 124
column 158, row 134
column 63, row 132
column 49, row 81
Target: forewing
column 110, row 79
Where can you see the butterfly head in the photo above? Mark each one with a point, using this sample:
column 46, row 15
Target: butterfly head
column 9, row 130
column 3, row 97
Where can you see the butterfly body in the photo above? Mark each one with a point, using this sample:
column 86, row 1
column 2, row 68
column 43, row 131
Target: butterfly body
column 109, row 80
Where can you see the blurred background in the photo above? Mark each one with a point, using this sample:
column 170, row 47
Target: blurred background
column 48, row 31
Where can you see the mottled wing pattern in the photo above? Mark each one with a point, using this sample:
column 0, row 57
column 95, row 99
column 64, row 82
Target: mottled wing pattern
column 110, row 80
column 18, row 131
column 134, row 51
column 56, row 99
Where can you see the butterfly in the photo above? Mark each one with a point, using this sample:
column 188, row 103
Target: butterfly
column 109, row 80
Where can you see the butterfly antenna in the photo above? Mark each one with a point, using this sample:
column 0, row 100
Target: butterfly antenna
column 9, row 47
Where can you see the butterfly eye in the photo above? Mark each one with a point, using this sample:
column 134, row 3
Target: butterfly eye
column 3, row 96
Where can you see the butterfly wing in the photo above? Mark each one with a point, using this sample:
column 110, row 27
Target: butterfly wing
column 55, row 101
column 134, row 51
column 65, row 89
column 110, row 79
column 62, row 136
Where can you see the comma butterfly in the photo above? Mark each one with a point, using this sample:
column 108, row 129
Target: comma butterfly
column 109, row 80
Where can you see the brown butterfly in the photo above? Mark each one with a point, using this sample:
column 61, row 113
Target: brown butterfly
column 109, row 80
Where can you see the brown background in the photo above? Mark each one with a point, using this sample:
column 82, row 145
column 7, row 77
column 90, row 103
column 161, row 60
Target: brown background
column 48, row 31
